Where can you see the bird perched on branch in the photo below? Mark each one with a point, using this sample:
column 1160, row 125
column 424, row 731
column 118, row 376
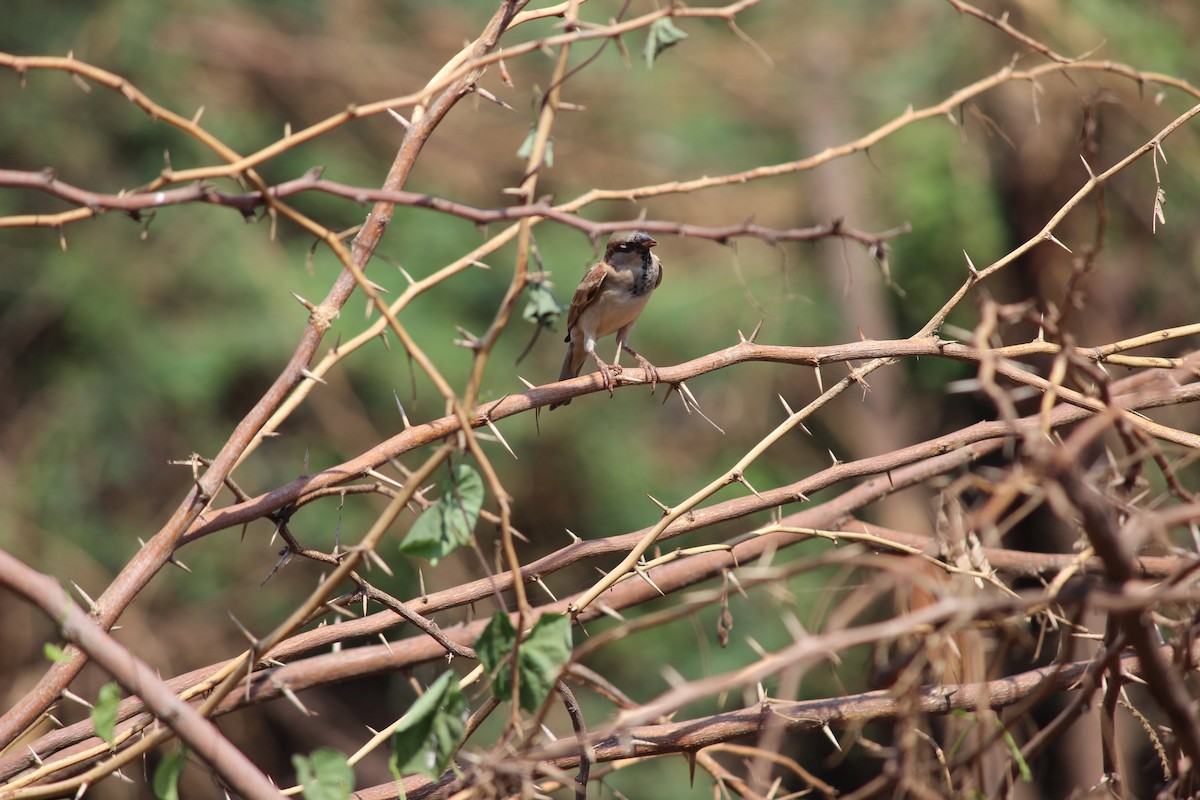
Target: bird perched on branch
column 610, row 299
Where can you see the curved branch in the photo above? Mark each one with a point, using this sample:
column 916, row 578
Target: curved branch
column 248, row 203
column 424, row 433
column 138, row 678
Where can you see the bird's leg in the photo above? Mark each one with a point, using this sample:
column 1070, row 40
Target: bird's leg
column 605, row 370
column 650, row 370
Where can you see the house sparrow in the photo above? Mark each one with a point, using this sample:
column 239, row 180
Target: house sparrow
column 609, row 299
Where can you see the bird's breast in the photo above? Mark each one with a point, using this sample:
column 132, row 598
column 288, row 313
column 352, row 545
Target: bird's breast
column 645, row 279
column 615, row 308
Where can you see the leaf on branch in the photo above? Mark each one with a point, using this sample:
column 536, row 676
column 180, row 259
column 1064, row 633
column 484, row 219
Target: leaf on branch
column 542, row 307
column 663, row 34
column 427, row 737
column 1015, row 751
column 104, row 712
column 1160, row 200
column 166, row 774
column 526, row 148
column 494, row 645
column 448, row 523
column 539, row 659
column 54, row 653
column 325, row 775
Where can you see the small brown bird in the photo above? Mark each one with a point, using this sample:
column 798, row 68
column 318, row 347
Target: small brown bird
column 610, row 299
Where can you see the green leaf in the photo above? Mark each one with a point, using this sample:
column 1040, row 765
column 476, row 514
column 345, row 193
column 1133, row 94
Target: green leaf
column 104, row 713
column 493, row 648
column 526, row 148
column 1022, row 764
column 427, row 737
column 542, row 307
column 663, row 34
column 166, row 775
column 448, row 523
column 539, row 659
column 54, row 653
column 325, row 775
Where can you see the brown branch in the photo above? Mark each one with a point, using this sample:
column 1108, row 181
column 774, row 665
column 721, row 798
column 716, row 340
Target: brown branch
column 425, row 433
column 1099, row 522
column 137, row 678
column 812, row 715
column 1022, row 562
column 247, row 204
column 864, row 143
column 577, row 724
column 1002, row 24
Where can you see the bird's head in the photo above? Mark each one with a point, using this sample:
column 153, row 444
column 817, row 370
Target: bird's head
column 628, row 248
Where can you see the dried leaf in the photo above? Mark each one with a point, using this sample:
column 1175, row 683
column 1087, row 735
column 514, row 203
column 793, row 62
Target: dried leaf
column 663, row 34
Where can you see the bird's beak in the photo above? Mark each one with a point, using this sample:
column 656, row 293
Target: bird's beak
column 650, row 242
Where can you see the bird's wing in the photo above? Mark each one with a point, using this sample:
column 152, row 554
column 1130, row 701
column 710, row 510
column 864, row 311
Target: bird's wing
column 660, row 271
column 589, row 287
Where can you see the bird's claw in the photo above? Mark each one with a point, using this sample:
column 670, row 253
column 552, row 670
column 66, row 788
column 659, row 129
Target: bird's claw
column 651, row 373
column 609, row 372
column 606, row 376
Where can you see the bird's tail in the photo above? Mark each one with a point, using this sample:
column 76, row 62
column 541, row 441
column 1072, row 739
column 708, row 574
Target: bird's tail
column 570, row 368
